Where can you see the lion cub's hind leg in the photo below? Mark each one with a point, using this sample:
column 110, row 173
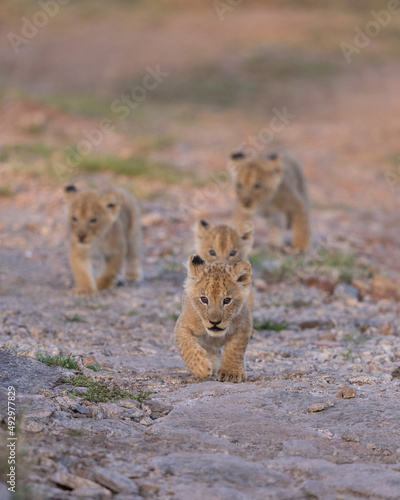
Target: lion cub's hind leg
column 133, row 268
column 301, row 229
column 276, row 228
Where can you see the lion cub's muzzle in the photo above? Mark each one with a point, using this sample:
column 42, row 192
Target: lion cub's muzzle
column 215, row 327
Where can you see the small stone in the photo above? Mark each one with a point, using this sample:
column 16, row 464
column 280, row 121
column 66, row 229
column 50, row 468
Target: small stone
column 396, row 372
column 96, row 413
column 146, row 421
column 317, row 407
column 80, row 409
column 92, row 493
column 347, row 436
column 149, row 489
column 346, row 392
column 384, row 288
column 346, row 291
column 386, row 329
column 113, row 480
column 72, row 481
column 154, row 406
column 33, row 426
column 111, row 410
column 329, row 404
column 128, row 403
column 363, row 380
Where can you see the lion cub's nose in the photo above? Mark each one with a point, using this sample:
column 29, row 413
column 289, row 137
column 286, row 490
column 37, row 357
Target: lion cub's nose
column 215, row 323
column 81, row 237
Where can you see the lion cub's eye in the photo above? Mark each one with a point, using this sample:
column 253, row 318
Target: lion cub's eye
column 93, row 221
column 204, row 300
column 239, row 185
column 257, row 186
column 227, row 301
column 233, row 253
column 212, row 252
column 74, row 219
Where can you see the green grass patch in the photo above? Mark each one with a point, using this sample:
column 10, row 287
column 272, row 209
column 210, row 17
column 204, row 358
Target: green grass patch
column 283, row 64
column 100, row 392
column 75, row 318
column 91, row 105
column 354, row 338
column 223, row 86
column 77, row 432
column 26, row 152
column 136, row 167
column 271, row 325
column 341, row 266
column 97, row 306
column 332, row 258
column 133, row 312
column 64, row 360
column 96, row 367
column 6, row 191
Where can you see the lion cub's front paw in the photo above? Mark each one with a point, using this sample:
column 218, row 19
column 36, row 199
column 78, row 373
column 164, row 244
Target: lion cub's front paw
column 227, row 375
column 202, row 368
column 83, row 292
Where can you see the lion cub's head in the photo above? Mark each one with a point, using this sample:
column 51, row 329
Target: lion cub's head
column 90, row 214
column 223, row 243
column 257, row 179
column 217, row 291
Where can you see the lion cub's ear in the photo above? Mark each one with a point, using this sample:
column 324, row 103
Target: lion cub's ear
column 238, row 159
column 238, row 155
column 246, row 231
column 195, row 266
column 70, row 192
column 242, row 273
column 273, row 163
column 111, row 202
column 201, row 228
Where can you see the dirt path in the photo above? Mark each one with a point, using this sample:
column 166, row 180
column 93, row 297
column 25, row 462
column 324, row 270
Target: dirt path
column 326, row 322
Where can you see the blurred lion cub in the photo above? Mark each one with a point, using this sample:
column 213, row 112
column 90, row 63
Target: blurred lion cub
column 275, row 187
column 220, row 242
column 105, row 224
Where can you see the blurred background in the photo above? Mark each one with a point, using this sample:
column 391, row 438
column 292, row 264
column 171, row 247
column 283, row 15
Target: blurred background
column 156, row 95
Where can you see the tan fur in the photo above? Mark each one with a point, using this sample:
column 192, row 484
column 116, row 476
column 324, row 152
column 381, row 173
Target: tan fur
column 105, row 224
column 276, row 188
column 224, row 243
column 199, row 346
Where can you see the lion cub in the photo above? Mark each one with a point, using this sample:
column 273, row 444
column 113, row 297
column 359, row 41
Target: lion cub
column 215, row 315
column 275, row 187
column 104, row 224
column 220, row 242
